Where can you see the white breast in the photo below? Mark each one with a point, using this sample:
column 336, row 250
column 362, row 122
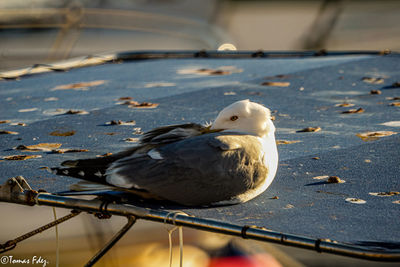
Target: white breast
column 270, row 157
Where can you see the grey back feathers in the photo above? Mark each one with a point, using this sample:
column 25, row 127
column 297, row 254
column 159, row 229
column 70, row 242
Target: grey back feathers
column 197, row 171
column 172, row 133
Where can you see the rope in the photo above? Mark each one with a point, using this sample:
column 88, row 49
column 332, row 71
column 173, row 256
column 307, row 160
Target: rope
column 170, row 231
column 57, row 240
column 180, row 246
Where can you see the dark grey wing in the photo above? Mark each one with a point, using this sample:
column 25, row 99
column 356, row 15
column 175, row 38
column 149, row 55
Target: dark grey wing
column 200, row 170
column 94, row 169
column 172, row 133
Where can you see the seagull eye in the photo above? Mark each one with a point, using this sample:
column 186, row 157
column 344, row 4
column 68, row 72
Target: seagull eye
column 233, row 118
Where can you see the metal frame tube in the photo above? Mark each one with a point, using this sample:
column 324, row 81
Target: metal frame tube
column 250, row 232
column 112, row 242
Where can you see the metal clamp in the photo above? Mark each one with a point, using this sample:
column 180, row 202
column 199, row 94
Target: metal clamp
column 17, row 190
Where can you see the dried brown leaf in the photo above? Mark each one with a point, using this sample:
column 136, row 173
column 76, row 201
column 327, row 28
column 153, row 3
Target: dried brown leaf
column 21, row 157
column 143, row 105
column 18, row 123
column 104, row 155
column 224, row 70
column 124, row 98
column 335, row 180
column 119, row 122
column 309, row 129
column 391, row 123
column 344, row 105
column 132, row 140
column 82, row 86
column 27, row 109
column 159, row 84
column 289, row 206
column 395, row 104
column 230, row 93
column 5, row 121
column 57, row 133
column 51, row 99
column 219, row 72
column 56, row 111
column 372, row 80
column 39, row 147
column 79, row 112
column 113, row 122
column 372, row 136
column 350, row 111
column 7, row 132
column 68, row 150
column 393, row 98
column 128, row 102
column 277, row 84
column 213, row 72
column 375, row 92
column 322, row 177
column 286, row 142
column 355, row 200
column 385, row 194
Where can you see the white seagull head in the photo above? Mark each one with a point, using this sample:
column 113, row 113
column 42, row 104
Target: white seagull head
column 247, row 117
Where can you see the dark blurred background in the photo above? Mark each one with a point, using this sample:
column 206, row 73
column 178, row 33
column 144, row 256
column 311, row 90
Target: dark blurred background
column 44, row 31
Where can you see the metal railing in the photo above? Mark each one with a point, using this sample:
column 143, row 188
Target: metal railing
column 16, row 190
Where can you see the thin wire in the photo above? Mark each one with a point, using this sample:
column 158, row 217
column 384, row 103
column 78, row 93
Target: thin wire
column 57, row 240
column 170, row 231
column 180, row 246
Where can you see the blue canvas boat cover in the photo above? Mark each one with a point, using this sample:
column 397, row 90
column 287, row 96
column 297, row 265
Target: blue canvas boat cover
column 349, row 104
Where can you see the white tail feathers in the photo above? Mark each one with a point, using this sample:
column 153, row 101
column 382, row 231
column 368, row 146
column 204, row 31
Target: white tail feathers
column 86, row 186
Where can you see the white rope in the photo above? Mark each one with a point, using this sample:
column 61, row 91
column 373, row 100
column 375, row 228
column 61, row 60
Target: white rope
column 57, row 240
column 180, row 246
column 170, row 231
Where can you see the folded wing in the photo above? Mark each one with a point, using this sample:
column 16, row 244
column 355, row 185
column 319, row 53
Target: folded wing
column 201, row 170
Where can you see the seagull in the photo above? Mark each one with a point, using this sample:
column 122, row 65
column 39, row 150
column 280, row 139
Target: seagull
column 231, row 161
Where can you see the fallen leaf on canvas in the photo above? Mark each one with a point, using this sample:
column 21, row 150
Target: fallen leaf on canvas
column 81, row 86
